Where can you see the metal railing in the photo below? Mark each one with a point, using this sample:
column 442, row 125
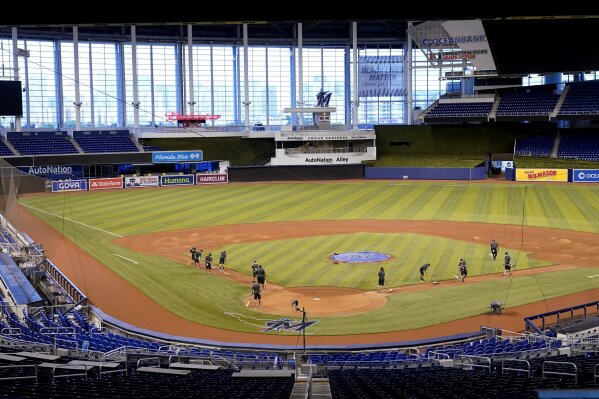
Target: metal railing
column 550, row 363
column 469, row 362
column 526, row 370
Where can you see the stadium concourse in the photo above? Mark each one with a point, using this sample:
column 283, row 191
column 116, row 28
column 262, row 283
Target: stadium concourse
column 126, row 303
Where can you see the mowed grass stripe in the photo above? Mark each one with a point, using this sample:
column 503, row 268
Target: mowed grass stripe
column 307, row 205
column 253, row 209
column 552, row 209
column 207, row 208
column 346, row 209
column 409, row 203
column 190, row 208
column 349, row 199
column 578, row 207
column 375, row 203
column 320, row 249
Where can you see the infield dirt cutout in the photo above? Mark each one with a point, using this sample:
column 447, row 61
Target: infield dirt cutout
column 119, row 299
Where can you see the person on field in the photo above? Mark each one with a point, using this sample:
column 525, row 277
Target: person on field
column 261, row 277
column 423, row 270
column 463, row 270
column 381, row 275
column 256, row 292
column 254, row 268
column 507, row 264
column 222, row 259
column 494, row 249
column 196, row 259
column 208, row 263
column 192, row 254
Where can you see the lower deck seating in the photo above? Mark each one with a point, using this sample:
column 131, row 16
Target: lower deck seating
column 197, row 384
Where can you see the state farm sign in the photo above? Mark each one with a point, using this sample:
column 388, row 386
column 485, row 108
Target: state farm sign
column 105, row 184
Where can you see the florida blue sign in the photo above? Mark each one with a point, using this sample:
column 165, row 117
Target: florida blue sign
column 177, row 156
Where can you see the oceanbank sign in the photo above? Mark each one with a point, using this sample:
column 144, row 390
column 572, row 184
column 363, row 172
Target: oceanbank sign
column 585, row 175
column 453, row 41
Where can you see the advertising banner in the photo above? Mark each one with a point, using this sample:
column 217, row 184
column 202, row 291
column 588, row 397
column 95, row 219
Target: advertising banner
column 69, row 185
column 141, row 181
column 381, row 75
column 542, row 174
column 212, row 178
column 585, row 175
column 177, row 156
column 302, row 136
column 454, row 41
column 105, row 184
column 55, row 172
column 176, row 180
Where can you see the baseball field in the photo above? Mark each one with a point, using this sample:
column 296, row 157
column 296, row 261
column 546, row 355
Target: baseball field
column 128, row 250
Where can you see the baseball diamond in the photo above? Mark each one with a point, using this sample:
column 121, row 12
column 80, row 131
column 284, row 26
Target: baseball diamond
column 555, row 246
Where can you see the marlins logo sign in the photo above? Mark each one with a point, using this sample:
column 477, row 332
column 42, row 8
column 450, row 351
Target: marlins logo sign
column 284, row 324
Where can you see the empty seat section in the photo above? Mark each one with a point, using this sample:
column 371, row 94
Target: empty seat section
column 96, row 141
column 582, row 98
column 527, row 104
column 36, row 143
column 583, row 144
column 460, row 109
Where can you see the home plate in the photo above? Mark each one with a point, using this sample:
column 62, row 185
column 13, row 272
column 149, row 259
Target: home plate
column 316, row 299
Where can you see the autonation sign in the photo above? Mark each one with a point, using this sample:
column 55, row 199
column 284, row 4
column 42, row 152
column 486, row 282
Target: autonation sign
column 177, row 156
column 55, row 172
column 585, row 175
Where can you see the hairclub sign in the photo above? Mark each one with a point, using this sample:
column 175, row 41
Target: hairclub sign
column 212, row 178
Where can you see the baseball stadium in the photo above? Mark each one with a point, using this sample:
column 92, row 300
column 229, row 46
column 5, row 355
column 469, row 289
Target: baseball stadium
column 317, row 208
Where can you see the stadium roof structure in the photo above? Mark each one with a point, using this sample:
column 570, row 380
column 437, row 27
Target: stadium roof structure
column 542, row 41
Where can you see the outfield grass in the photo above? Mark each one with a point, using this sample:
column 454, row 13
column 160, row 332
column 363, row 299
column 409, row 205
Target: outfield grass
column 128, row 212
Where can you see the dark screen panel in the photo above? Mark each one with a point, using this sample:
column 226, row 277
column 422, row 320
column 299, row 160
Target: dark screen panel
column 543, row 45
column 11, row 100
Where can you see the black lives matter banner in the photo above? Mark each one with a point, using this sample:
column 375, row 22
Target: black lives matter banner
column 381, row 76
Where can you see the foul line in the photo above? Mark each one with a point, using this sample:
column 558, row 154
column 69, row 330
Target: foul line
column 130, row 260
column 71, row 220
column 240, row 318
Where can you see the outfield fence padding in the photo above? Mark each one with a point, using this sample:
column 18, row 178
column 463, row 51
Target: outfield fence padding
column 478, row 173
column 295, row 173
